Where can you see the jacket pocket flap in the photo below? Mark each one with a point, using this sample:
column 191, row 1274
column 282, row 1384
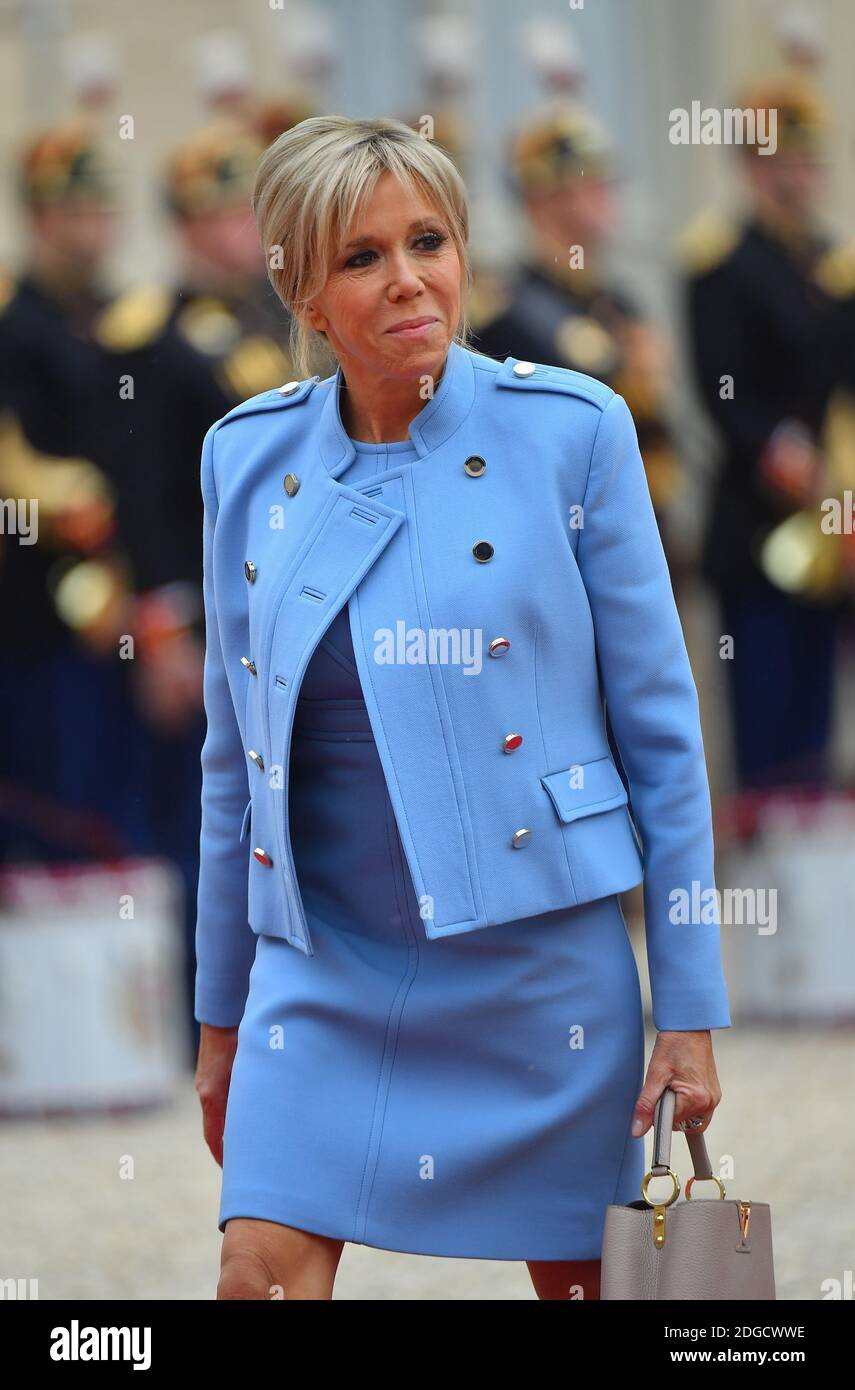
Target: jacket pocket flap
column 244, row 826
column 583, row 789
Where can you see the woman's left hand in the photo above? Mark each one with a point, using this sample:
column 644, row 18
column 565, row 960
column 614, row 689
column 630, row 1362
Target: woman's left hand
column 683, row 1062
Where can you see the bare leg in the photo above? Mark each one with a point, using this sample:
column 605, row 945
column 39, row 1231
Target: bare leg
column 262, row 1259
column 565, row 1279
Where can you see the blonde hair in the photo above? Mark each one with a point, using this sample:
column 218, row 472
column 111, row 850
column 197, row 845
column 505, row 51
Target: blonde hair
column 308, row 187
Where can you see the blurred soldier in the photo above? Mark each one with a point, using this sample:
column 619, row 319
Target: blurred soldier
column 305, row 69
column 223, row 72
column 277, row 114
column 756, row 308
column 801, row 36
column 444, row 49
column 227, row 90
column 560, row 308
column 194, row 350
column 185, row 356
column 67, row 733
column 552, row 53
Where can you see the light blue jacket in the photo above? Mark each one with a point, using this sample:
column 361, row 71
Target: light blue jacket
column 506, row 583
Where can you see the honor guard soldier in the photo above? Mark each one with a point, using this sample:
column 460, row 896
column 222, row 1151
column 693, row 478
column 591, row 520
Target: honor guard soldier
column 186, row 355
column 445, row 56
column 560, row 308
column 69, row 736
column 756, row 308
column 194, row 350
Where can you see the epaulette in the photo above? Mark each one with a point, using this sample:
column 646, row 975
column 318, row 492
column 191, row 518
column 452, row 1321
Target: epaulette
column 707, row 241
column 134, row 318
column 834, row 272
column 292, row 393
column 8, row 286
column 542, row 376
column 208, row 325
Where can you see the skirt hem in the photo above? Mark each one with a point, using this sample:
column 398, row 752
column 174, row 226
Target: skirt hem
column 267, row 1207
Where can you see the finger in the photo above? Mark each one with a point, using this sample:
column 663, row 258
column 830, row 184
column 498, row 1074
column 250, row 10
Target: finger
column 645, row 1107
column 696, row 1103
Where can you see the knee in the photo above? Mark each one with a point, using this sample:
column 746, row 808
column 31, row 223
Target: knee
column 245, row 1274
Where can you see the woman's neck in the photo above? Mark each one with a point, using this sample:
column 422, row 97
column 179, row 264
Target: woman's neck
column 381, row 413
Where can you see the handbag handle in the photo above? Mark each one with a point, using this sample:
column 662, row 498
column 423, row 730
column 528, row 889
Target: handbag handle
column 663, row 1124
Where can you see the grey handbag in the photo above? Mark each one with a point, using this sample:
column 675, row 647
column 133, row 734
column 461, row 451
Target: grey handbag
column 708, row 1248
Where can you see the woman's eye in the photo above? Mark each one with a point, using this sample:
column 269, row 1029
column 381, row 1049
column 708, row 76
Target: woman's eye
column 357, row 261
column 428, row 241
column 435, row 238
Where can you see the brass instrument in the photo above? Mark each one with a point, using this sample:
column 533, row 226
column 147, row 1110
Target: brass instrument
column 812, row 552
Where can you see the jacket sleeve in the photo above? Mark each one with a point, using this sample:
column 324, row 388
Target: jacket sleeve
column 225, row 942
column 652, row 705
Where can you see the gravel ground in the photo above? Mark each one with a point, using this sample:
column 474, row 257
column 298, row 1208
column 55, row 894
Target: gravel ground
column 71, row 1222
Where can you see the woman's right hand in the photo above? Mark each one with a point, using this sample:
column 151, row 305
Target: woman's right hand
column 217, row 1047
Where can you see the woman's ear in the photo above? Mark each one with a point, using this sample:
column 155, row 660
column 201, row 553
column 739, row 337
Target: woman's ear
column 315, row 319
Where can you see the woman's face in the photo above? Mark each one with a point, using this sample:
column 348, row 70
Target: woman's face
column 398, row 262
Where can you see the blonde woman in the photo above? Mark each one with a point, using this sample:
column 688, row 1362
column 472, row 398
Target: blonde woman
column 425, row 576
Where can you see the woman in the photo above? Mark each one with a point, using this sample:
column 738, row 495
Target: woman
column 431, row 1039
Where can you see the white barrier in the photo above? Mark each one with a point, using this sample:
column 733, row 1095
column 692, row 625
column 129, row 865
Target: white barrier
column 802, row 965
column 91, row 994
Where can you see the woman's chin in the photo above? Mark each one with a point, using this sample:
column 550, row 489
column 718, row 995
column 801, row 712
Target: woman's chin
column 414, row 357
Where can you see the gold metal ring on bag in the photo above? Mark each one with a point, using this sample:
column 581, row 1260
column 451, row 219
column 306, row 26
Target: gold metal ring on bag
column 674, row 1195
column 712, row 1178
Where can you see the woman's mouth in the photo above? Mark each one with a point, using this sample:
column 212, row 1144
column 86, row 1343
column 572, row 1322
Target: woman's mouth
column 413, row 328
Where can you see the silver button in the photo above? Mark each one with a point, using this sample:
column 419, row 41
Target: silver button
column 291, row 483
column 250, row 665
column 498, row 646
column 520, row 838
column 250, row 571
column 524, row 368
column 475, row 465
column 509, row 742
column 483, row 551
column 289, row 388
column 257, row 759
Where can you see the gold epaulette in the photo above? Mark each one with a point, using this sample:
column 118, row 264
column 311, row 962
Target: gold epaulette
column 835, row 271
column 209, row 325
column 134, row 318
column 706, row 242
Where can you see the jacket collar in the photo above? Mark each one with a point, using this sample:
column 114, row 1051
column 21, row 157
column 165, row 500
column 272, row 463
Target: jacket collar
column 435, row 423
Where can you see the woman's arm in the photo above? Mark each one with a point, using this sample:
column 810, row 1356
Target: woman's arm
column 653, row 708
column 225, row 942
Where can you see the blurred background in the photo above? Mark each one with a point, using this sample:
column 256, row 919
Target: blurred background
column 663, row 196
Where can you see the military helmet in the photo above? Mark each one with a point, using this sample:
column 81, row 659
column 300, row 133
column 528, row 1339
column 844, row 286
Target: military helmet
column 68, row 163
column 559, row 142
column 803, row 119
column 213, row 169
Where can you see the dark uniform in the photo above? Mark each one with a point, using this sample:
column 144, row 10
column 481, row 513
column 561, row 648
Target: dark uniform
column 188, row 354
column 67, row 724
column 569, row 317
column 598, row 331
column 756, row 310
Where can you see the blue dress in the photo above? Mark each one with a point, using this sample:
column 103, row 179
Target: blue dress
column 470, row 1096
